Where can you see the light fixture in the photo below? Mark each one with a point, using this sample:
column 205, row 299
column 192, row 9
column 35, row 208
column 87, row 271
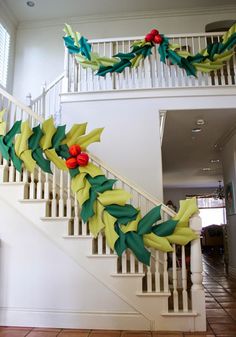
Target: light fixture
column 206, row 169
column 215, row 160
column 195, row 130
column 220, row 192
column 30, row 3
column 200, row 122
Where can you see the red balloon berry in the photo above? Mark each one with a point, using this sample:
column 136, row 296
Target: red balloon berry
column 82, row 159
column 71, row 162
column 154, row 32
column 158, row 39
column 74, row 150
column 149, row 37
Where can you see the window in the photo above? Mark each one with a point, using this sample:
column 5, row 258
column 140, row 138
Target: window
column 212, row 211
column 4, row 55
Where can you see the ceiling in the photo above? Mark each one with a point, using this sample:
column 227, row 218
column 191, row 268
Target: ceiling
column 186, row 154
column 56, row 9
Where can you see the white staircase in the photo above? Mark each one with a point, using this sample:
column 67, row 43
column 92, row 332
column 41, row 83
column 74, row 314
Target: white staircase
column 168, row 295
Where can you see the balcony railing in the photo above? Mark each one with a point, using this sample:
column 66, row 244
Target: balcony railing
column 151, row 73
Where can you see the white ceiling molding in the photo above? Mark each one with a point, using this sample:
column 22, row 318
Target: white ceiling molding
column 7, row 16
column 226, row 9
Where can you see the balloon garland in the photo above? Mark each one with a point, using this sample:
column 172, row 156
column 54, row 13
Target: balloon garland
column 104, row 207
column 209, row 59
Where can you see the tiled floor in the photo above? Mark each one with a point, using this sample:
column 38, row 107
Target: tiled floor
column 220, row 307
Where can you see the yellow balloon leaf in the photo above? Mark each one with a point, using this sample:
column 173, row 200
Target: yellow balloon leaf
column 73, row 135
column 230, row 32
column 131, row 226
column 111, row 235
column 2, row 123
column 21, row 142
column 83, row 194
column 78, row 182
column 182, row 236
column 160, row 243
column 96, row 223
column 29, row 162
column 52, row 155
column 117, row 197
column 188, row 207
column 91, row 137
column 91, row 169
column 49, row 130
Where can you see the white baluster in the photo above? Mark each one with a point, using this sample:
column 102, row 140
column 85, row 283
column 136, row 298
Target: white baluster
column 54, row 194
column 32, row 186
column 39, row 184
column 76, row 218
column 184, row 281
column 157, row 273
column 68, row 201
column 165, row 273
column 174, row 277
column 124, row 263
column 149, row 280
column 100, row 244
column 46, row 186
column 61, row 197
column 11, row 173
column 132, row 263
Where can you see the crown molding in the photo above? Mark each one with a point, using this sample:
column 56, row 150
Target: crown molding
column 126, row 16
column 7, row 15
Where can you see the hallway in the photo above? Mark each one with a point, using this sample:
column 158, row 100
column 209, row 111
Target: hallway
column 220, row 305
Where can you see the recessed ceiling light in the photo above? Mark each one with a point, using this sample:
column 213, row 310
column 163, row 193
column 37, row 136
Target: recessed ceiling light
column 206, row 169
column 30, row 3
column 215, row 160
column 195, row 130
column 200, row 122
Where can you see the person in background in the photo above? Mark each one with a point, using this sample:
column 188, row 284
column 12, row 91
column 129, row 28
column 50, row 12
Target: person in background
column 171, row 205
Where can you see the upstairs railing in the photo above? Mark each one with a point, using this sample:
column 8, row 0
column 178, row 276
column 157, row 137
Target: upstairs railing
column 173, row 274
column 151, row 73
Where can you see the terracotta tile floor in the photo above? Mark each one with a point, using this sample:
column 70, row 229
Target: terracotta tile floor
column 220, row 306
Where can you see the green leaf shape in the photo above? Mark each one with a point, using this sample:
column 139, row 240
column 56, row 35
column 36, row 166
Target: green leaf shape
column 58, row 136
column 87, row 210
column 17, row 162
column 85, row 47
column 136, row 244
column 132, row 226
column 123, row 214
column 136, row 61
column 43, row 163
column 229, row 33
column 72, row 137
column 165, row 228
column 163, row 49
column 125, row 56
column 151, row 240
column 182, row 236
column 71, row 46
column 48, row 132
column 96, row 223
column 8, row 138
column 4, row 149
column 103, row 70
column 120, row 244
column 111, row 235
column 144, row 50
column 63, row 151
column 35, row 138
column 92, row 137
column 146, row 223
column 74, row 172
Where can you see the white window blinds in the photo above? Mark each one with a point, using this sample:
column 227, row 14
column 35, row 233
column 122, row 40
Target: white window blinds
column 4, row 55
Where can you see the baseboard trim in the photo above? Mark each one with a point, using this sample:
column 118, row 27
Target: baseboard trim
column 73, row 319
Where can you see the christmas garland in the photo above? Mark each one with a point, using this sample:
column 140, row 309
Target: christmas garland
column 209, row 59
column 104, row 207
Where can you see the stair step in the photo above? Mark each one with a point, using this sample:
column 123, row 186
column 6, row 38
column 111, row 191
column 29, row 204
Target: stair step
column 78, row 237
column 153, row 294
column 128, row 275
column 102, row 256
column 32, row 200
column 180, row 313
column 54, row 218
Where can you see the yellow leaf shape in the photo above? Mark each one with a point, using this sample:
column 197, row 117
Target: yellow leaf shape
column 187, row 208
column 29, row 162
column 182, row 236
column 136, row 60
column 91, row 169
column 118, row 197
column 111, row 235
column 174, row 46
column 73, row 135
column 230, row 32
column 49, row 130
column 207, row 67
column 83, row 194
column 52, row 155
column 91, row 137
column 159, row 243
column 78, row 182
column 131, row 226
column 96, row 223
column 21, row 142
column 2, row 123
column 224, row 56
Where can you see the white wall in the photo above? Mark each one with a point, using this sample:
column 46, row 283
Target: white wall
column 229, row 173
column 42, row 286
column 9, row 24
column 39, row 45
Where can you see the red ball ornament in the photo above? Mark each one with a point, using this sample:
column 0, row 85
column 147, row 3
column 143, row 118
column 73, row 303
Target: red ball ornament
column 158, row 39
column 74, row 150
column 71, row 162
column 82, row 159
column 154, row 32
column 149, row 37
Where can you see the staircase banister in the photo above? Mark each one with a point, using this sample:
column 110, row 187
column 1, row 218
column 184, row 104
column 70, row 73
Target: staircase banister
column 145, row 194
column 21, row 105
column 134, row 38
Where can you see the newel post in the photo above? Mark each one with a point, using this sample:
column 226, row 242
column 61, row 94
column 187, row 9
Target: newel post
column 197, row 290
